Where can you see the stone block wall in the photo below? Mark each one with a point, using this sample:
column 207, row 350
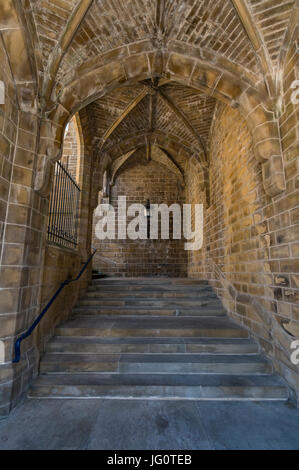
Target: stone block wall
column 141, row 180
column 236, row 232
column 22, row 215
column 59, row 264
column 30, row 271
column 251, row 240
column 197, row 192
column 10, row 289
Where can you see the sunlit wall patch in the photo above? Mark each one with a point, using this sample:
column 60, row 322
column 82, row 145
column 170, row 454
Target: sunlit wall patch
column 2, row 92
column 2, row 352
column 295, row 94
column 295, row 354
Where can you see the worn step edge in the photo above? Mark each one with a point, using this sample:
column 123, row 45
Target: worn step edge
column 138, row 332
column 204, row 345
column 152, row 322
column 95, row 378
column 159, row 305
column 151, row 281
column 150, row 288
column 151, row 348
column 154, row 365
column 204, row 391
column 168, row 357
column 150, row 340
column 162, row 393
column 90, row 312
column 207, row 297
column 157, row 294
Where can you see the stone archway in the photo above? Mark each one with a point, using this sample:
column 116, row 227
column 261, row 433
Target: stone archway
column 252, row 101
column 169, row 144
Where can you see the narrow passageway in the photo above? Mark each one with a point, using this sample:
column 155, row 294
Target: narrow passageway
column 149, row 221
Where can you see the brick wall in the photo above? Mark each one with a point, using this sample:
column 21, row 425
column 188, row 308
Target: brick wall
column 252, row 239
column 235, row 230
column 196, row 193
column 139, row 181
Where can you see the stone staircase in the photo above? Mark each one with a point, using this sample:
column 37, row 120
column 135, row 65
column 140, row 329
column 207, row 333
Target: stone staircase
column 154, row 339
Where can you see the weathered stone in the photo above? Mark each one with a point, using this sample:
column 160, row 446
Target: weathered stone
column 95, row 58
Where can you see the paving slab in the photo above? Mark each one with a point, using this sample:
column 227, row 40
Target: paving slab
column 251, row 425
column 99, row 424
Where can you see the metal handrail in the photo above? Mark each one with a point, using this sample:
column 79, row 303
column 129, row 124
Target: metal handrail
column 27, row 333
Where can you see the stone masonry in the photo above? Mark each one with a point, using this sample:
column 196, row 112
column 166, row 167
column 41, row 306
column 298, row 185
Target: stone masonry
column 192, row 101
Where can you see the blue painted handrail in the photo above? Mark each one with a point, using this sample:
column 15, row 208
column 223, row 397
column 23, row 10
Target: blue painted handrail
column 38, row 319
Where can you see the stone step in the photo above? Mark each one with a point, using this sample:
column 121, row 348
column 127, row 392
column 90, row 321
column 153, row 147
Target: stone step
column 155, row 363
column 95, row 292
column 150, row 289
column 156, row 281
column 154, row 339
column 133, row 302
column 146, row 326
column 160, row 387
column 142, row 311
column 80, row 345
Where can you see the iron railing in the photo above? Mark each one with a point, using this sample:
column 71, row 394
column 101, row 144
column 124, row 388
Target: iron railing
column 64, row 209
column 17, row 347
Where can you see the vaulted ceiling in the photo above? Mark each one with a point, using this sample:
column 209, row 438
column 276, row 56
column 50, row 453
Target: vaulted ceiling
column 176, row 111
column 69, row 33
column 69, row 37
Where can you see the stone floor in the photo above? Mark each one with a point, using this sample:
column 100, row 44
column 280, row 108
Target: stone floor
column 149, row 425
